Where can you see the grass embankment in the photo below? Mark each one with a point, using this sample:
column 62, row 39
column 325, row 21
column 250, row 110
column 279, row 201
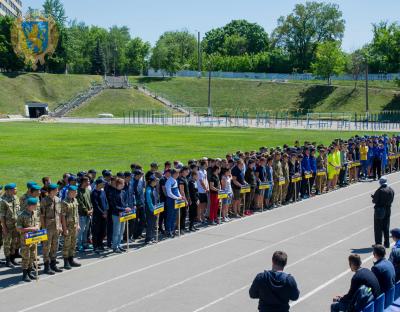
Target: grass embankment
column 228, row 95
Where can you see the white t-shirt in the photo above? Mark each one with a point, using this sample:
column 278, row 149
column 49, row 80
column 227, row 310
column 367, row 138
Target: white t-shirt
column 202, row 177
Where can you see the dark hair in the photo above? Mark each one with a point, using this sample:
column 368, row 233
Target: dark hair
column 215, row 169
column 185, row 168
column 45, row 179
column 279, row 259
column 85, row 179
column 355, row 260
column 167, row 163
column 203, row 162
column 380, row 251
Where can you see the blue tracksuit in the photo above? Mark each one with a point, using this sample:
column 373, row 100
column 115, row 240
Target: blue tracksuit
column 172, row 187
column 150, row 202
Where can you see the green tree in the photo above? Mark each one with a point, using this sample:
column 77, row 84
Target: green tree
column 385, row 48
column 329, row 60
column 355, row 65
column 236, row 38
column 98, row 60
column 55, row 8
column 174, row 51
column 8, row 59
column 137, row 52
column 305, row 28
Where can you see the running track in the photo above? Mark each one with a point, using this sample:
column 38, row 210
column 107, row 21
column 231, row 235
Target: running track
column 212, row 269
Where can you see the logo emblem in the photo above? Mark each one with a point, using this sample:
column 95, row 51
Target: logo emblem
column 34, row 37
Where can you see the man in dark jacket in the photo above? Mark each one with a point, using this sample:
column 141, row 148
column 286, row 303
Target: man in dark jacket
column 394, row 257
column 274, row 288
column 383, row 199
column 362, row 277
column 383, row 269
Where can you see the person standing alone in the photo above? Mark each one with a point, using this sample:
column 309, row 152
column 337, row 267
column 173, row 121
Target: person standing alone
column 383, row 199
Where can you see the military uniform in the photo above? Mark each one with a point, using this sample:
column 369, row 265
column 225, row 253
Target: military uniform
column 277, row 174
column 50, row 211
column 69, row 209
column 9, row 209
column 321, row 180
column 27, row 219
column 285, row 171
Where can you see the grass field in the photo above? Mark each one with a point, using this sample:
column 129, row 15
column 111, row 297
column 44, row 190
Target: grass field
column 16, row 90
column 117, row 102
column 227, row 95
column 32, row 150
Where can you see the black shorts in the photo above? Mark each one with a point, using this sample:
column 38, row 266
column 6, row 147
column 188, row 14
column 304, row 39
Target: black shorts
column 203, row 198
column 236, row 193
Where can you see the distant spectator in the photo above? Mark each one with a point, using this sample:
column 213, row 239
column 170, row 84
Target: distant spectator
column 274, row 288
column 383, row 269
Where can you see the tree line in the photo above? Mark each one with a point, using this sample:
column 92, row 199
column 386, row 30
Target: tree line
column 306, row 40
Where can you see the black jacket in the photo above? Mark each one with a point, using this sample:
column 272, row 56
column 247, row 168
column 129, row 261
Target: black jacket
column 274, row 290
column 385, row 273
column 363, row 277
column 383, row 197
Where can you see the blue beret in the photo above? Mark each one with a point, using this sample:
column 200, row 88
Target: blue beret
column 35, row 187
column 30, row 184
column 32, row 201
column 72, row 188
column 10, row 186
column 53, row 187
column 395, row 232
column 71, row 178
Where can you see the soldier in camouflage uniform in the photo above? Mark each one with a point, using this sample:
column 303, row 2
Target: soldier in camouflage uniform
column 321, row 166
column 277, row 175
column 33, row 191
column 285, row 171
column 28, row 222
column 50, row 219
column 70, row 226
column 9, row 209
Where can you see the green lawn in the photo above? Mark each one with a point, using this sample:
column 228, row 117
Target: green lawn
column 16, row 90
column 227, row 95
column 117, row 102
column 32, row 150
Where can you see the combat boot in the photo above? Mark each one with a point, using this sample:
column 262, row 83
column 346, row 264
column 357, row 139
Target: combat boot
column 12, row 260
column 9, row 264
column 47, row 269
column 73, row 263
column 67, row 266
column 54, row 267
column 17, row 254
column 25, row 277
column 31, row 274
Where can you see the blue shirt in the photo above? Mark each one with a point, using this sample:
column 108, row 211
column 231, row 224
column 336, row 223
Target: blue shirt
column 313, row 164
column 305, row 164
column 385, row 273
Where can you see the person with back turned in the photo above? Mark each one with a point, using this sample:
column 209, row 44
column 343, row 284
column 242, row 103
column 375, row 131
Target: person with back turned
column 275, row 288
column 383, row 199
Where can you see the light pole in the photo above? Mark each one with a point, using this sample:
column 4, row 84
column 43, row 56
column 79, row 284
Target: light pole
column 198, row 54
column 366, row 86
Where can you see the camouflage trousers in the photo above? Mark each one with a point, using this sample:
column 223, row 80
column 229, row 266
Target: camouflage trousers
column 70, row 241
column 285, row 190
column 1, row 236
column 276, row 193
column 11, row 241
column 28, row 254
column 320, row 183
column 50, row 246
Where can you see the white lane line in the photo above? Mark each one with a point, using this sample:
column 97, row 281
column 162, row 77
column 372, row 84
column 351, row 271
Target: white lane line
column 205, row 247
column 202, row 231
column 234, row 261
column 140, row 270
column 290, row 265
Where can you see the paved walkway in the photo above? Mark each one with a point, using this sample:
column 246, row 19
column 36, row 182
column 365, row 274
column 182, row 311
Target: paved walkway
column 212, row 269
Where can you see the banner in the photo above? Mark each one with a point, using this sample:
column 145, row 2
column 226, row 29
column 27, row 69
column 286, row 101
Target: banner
column 307, row 175
column 159, row 208
column 281, row 181
column 296, row 179
column 321, row 173
column 263, row 186
column 35, row 237
column 126, row 216
column 222, row 195
column 245, row 189
column 180, row 204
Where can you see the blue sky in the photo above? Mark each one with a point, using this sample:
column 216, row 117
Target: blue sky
column 149, row 19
